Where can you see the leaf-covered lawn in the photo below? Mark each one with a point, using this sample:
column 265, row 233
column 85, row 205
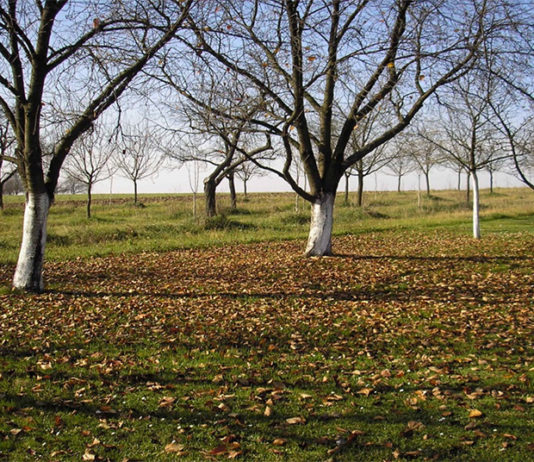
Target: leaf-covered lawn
column 402, row 347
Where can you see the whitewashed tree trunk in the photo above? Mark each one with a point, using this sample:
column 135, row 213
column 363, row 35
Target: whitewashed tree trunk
column 322, row 220
column 476, row 206
column 29, row 271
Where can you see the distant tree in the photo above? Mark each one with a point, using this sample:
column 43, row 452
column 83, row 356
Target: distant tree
column 8, row 168
column 400, row 161
column 246, row 171
column 193, row 175
column 426, row 156
column 467, row 134
column 70, row 185
column 14, row 185
column 373, row 161
column 89, row 161
column 139, row 154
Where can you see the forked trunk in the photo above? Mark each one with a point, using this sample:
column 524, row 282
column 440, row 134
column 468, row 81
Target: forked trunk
column 29, row 271
column 476, row 207
column 322, row 220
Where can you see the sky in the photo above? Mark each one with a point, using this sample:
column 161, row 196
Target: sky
column 176, row 181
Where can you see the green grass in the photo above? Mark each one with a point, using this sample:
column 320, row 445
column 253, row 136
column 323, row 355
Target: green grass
column 166, row 222
column 381, row 353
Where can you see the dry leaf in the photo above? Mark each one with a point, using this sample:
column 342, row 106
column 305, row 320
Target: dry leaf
column 474, row 413
column 296, row 420
column 174, row 448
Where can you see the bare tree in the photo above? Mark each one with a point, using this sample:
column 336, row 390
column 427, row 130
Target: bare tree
column 425, row 156
column 70, row 185
column 467, row 134
column 372, row 162
column 400, row 165
column 245, row 172
column 7, row 142
column 139, row 154
column 299, row 57
column 89, row 161
column 13, row 186
column 193, row 175
column 63, row 63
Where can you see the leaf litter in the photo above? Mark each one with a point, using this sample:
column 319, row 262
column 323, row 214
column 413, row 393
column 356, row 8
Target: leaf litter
column 422, row 351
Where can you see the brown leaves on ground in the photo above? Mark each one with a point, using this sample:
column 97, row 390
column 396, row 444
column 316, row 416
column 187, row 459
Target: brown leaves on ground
column 388, row 307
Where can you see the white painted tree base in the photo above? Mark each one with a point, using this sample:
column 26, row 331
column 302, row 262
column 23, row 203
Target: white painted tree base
column 29, row 270
column 322, row 220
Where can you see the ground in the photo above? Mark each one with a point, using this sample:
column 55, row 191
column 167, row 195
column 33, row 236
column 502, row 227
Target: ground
column 404, row 346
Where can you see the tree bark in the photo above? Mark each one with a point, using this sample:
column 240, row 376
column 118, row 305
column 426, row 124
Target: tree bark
column 89, row 198
column 322, row 220
column 399, row 179
column 245, row 188
column 459, row 179
column 427, row 180
column 28, row 273
column 360, row 189
column 491, row 181
column 476, row 206
column 1, row 195
column 346, row 188
column 467, row 186
column 233, row 195
column 135, row 191
column 209, row 195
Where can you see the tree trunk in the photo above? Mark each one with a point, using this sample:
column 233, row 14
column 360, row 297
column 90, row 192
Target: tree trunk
column 346, row 189
column 1, row 195
column 233, row 195
column 209, row 195
column 459, row 179
column 399, row 183
column 491, row 181
column 476, row 207
column 467, row 186
column 427, row 180
column 89, row 198
column 29, row 270
column 360, row 189
column 245, row 188
column 194, row 205
column 135, row 191
column 322, row 220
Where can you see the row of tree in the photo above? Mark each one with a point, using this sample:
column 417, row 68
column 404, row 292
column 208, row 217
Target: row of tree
column 326, row 83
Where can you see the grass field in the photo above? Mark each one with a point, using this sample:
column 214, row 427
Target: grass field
column 166, row 222
column 165, row 338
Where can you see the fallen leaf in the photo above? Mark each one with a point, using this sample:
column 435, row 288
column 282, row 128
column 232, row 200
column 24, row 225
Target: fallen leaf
column 474, row 413
column 296, row 420
column 173, row 448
